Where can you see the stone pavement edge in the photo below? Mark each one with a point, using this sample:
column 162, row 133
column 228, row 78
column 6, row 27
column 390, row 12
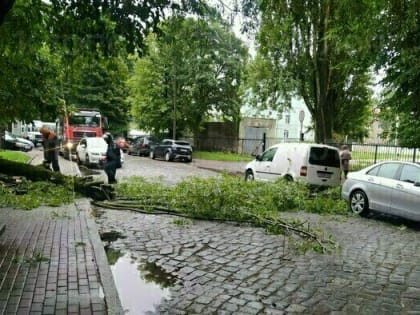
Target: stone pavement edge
column 52, row 261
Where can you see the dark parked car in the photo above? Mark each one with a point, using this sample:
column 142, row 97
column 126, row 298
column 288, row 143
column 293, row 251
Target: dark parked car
column 391, row 187
column 142, row 145
column 171, row 150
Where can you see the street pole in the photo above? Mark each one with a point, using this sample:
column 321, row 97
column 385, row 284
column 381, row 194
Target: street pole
column 301, row 119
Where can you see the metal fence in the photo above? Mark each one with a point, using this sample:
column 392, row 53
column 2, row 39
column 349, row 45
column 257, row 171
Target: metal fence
column 367, row 154
column 362, row 154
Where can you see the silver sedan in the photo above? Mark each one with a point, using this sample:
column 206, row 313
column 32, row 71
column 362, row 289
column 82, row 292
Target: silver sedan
column 390, row 187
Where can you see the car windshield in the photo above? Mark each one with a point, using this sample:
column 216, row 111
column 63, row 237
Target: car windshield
column 90, row 121
column 97, row 143
column 324, row 157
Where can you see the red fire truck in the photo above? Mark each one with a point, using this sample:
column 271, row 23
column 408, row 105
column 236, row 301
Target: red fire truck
column 77, row 125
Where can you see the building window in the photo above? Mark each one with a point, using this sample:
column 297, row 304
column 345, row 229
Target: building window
column 287, row 118
column 286, row 134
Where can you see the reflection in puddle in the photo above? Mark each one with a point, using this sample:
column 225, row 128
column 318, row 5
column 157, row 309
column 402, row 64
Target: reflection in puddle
column 141, row 286
column 88, row 171
column 111, row 236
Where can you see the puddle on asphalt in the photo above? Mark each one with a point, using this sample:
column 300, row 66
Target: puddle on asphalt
column 84, row 171
column 141, row 286
column 111, row 236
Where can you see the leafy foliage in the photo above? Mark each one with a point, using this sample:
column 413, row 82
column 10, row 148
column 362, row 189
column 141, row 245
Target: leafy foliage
column 192, row 71
column 231, row 199
column 100, row 83
column 100, row 24
column 320, row 51
column 399, row 57
column 28, row 69
column 29, row 195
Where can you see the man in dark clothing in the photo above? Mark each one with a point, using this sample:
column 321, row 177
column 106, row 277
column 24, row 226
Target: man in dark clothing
column 50, row 143
column 113, row 159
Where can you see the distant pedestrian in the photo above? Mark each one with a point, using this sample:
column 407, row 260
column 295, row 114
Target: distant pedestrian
column 50, row 144
column 112, row 158
column 345, row 156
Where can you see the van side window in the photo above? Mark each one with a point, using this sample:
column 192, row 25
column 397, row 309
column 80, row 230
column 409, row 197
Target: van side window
column 268, row 155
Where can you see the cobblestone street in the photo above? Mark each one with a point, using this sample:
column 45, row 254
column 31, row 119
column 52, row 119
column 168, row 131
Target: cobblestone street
column 227, row 269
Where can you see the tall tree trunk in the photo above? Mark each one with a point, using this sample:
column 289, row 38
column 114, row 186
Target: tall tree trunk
column 323, row 126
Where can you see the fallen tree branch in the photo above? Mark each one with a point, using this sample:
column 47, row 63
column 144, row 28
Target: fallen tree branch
column 267, row 223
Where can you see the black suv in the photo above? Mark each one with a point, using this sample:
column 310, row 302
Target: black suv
column 172, row 150
column 142, row 145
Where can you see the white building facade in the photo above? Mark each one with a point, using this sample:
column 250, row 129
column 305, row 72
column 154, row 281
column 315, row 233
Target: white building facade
column 289, row 123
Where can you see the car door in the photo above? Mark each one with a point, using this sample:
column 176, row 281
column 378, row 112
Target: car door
column 380, row 187
column 405, row 199
column 160, row 149
column 264, row 163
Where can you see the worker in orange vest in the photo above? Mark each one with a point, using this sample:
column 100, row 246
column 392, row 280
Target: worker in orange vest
column 50, row 144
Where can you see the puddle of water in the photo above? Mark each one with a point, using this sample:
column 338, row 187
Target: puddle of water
column 111, row 236
column 88, row 171
column 141, row 286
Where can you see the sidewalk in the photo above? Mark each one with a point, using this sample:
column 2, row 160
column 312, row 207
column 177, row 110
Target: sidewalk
column 52, row 261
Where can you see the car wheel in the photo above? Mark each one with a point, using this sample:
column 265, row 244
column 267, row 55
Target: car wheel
column 249, row 175
column 152, row 155
column 288, row 178
column 78, row 159
column 359, row 203
column 167, row 156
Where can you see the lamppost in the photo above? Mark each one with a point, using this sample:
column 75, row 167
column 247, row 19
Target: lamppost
column 301, row 119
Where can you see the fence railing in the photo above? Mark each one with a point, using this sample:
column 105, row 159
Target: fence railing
column 367, row 154
column 362, row 154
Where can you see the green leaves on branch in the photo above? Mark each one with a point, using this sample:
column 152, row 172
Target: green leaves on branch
column 228, row 198
column 29, row 195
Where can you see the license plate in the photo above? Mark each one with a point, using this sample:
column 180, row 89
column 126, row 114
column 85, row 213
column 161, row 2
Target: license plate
column 324, row 175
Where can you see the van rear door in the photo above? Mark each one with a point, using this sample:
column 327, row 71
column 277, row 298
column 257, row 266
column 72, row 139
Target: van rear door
column 324, row 166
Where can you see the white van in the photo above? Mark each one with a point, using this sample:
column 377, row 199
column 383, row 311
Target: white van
column 316, row 164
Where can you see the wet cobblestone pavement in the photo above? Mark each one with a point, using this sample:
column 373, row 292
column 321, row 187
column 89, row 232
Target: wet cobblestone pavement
column 223, row 268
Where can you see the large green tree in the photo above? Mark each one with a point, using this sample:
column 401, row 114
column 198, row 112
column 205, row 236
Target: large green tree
column 400, row 55
column 192, row 71
column 34, row 81
column 100, row 83
column 320, row 51
column 28, row 68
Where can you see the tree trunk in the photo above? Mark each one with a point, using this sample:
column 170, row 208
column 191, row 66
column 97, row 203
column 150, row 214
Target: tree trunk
column 5, row 6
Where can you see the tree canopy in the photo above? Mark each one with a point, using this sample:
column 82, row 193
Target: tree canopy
column 192, row 71
column 320, row 51
column 400, row 55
